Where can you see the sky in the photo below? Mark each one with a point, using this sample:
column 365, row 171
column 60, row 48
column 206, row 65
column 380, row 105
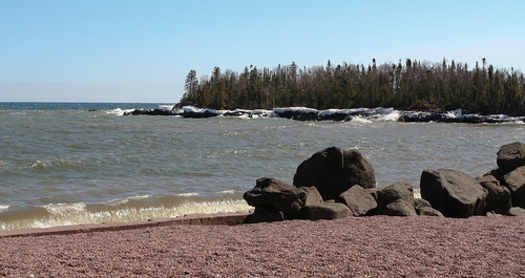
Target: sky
column 142, row 51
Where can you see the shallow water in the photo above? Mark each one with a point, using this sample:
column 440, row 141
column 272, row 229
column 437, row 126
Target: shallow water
column 70, row 165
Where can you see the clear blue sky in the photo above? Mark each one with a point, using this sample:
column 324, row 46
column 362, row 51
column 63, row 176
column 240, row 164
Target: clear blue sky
column 141, row 51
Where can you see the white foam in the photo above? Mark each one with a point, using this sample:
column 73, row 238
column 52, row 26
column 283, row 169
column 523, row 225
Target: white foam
column 39, row 164
column 118, row 202
column 188, row 194
column 76, row 213
column 454, row 114
column 119, row 112
column 360, row 119
column 63, row 208
column 4, row 207
column 166, row 107
column 226, row 192
column 393, row 116
column 417, row 193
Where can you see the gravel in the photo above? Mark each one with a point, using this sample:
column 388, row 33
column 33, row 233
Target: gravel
column 379, row 246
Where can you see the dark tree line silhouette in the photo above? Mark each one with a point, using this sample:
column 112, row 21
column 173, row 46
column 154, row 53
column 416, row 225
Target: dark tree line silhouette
column 409, row 85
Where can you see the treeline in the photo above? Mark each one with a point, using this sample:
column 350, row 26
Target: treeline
column 409, row 85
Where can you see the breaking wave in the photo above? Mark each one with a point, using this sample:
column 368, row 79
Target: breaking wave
column 130, row 209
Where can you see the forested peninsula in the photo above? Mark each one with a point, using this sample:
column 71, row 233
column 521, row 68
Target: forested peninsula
column 418, row 85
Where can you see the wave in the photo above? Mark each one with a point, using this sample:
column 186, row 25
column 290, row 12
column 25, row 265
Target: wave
column 53, row 163
column 119, row 112
column 130, row 209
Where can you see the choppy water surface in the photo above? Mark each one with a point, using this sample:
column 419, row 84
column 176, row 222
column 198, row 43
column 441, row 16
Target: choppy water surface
column 69, row 165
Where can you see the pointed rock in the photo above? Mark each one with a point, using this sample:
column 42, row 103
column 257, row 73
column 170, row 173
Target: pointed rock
column 333, row 171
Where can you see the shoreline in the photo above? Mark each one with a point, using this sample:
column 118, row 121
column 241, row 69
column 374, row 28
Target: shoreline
column 337, row 115
column 219, row 218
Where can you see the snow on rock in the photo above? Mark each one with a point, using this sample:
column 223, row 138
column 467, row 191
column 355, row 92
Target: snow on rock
column 309, row 114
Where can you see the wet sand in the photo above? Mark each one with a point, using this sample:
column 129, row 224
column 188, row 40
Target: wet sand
column 379, row 246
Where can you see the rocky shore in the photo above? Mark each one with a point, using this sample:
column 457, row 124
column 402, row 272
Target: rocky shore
column 335, row 183
column 309, row 114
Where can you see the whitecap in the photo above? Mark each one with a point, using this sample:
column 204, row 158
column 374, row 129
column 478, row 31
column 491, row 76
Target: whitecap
column 119, row 112
column 65, row 208
column 360, row 119
column 390, row 117
column 226, row 192
column 417, row 193
column 122, row 201
column 187, row 194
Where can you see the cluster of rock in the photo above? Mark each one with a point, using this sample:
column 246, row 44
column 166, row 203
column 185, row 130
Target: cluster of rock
column 335, row 183
column 310, row 114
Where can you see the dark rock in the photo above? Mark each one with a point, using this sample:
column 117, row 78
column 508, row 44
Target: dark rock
column 208, row 113
column 511, row 156
column 420, row 116
column 359, row 200
column 515, row 181
column 453, row 193
column 149, row 112
column 272, row 193
column 423, row 207
column 325, row 211
column 297, row 113
column 496, row 173
column 333, row 171
column 312, row 196
column 396, row 200
column 498, row 198
column 420, row 203
column 429, row 211
column 261, row 214
column 516, row 211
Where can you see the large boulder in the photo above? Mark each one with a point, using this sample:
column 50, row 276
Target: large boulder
column 453, row 193
column 333, row 171
column 498, row 198
column 272, row 193
column 327, row 211
column 359, row 200
column 515, row 181
column 396, row 200
column 511, row 156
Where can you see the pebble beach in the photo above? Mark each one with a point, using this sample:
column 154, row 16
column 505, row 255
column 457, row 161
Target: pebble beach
column 378, row 246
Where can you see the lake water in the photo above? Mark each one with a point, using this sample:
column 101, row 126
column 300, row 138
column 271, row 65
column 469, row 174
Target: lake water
column 63, row 164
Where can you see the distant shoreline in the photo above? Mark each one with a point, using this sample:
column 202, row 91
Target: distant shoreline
column 341, row 115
